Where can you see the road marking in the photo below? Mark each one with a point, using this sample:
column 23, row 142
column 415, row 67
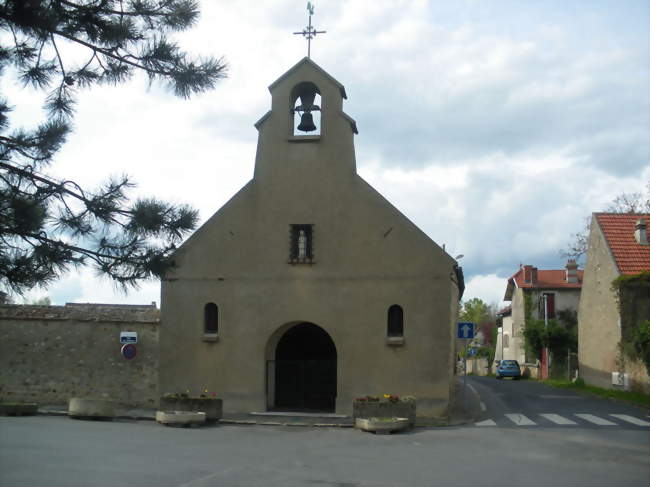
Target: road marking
column 472, row 389
column 631, row 419
column 483, row 408
column 487, row 422
column 520, row 420
column 557, row 419
column 557, row 396
column 595, row 420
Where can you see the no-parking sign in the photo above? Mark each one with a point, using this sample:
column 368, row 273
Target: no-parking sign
column 129, row 351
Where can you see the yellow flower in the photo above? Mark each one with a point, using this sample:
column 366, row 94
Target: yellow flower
column 386, row 396
column 205, row 390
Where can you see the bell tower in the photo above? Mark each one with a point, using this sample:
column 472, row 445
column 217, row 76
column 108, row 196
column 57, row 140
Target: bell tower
column 306, row 134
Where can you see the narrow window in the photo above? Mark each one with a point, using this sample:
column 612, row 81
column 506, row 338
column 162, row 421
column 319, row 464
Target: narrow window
column 550, row 305
column 506, row 341
column 211, row 319
column 301, row 250
column 395, row 321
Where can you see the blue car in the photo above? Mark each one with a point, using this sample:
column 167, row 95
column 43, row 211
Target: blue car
column 509, row 368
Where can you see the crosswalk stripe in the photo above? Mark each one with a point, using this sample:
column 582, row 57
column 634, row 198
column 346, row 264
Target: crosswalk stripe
column 595, row 420
column 520, row 420
column 557, row 419
column 631, row 419
column 487, row 422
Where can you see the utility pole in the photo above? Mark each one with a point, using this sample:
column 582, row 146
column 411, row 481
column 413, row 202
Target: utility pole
column 545, row 357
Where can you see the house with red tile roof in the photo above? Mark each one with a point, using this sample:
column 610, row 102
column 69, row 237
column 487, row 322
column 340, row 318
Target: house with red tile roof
column 558, row 288
column 618, row 246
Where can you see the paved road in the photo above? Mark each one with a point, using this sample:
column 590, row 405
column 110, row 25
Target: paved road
column 508, row 403
column 57, row 451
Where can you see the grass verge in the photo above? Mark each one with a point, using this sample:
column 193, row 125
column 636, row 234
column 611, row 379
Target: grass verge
column 638, row 398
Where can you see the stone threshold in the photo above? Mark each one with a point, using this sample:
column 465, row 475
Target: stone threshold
column 299, row 414
column 261, row 422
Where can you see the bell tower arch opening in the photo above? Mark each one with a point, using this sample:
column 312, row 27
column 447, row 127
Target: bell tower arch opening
column 302, row 370
column 306, row 108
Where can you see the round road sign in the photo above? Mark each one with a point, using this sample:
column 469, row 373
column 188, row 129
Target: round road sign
column 129, row 351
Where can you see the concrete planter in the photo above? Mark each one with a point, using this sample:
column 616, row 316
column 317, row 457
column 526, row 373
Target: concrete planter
column 381, row 425
column 180, row 418
column 385, row 409
column 18, row 409
column 84, row 408
column 213, row 408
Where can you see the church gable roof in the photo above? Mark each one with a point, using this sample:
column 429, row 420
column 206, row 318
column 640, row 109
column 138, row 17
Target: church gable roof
column 309, row 62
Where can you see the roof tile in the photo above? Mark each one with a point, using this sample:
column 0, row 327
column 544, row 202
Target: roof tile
column 548, row 279
column 618, row 228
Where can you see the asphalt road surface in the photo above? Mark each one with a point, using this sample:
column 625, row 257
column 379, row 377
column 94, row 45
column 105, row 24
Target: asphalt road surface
column 510, row 404
column 57, row 451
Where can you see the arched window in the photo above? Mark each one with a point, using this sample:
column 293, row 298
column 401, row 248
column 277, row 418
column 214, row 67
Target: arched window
column 395, row 321
column 506, row 341
column 211, row 319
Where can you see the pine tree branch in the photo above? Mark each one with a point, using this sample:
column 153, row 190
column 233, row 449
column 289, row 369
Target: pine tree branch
column 150, row 13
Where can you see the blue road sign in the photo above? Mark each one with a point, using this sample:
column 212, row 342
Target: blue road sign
column 471, row 352
column 465, row 330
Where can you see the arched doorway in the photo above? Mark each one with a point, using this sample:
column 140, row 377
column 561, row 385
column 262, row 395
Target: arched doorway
column 305, row 370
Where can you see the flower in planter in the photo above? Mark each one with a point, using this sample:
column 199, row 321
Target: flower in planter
column 391, row 397
column 204, row 394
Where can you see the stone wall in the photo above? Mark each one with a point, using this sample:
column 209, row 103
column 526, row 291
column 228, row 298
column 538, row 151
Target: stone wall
column 478, row 366
column 51, row 353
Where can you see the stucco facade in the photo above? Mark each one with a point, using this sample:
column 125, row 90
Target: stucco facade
column 365, row 257
column 599, row 322
column 510, row 341
column 564, row 286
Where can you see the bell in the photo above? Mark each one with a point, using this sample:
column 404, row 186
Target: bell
column 306, row 100
column 306, row 122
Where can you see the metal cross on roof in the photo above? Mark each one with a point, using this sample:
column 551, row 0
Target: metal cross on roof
column 310, row 32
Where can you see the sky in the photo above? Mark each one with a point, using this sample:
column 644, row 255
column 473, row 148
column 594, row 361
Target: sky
column 496, row 126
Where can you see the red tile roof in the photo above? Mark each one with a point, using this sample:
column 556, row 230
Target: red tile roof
column 507, row 311
column 548, row 279
column 618, row 228
column 545, row 279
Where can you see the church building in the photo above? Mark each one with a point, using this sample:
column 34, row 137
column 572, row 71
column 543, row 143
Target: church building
column 308, row 288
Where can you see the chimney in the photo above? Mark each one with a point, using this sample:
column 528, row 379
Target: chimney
column 641, row 232
column 530, row 274
column 571, row 271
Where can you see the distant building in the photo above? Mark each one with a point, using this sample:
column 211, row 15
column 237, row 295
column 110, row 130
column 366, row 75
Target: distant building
column 618, row 246
column 503, row 346
column 527, row 288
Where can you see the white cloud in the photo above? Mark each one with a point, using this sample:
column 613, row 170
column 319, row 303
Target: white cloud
column 489, row 287
column 495, row 126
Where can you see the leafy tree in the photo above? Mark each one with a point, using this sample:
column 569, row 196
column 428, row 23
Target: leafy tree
column 560, row 336
column 474, row 310
column 623, row 203
column 484, row 315
column 48, row 226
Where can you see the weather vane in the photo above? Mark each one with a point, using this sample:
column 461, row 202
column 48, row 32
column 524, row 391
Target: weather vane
column 310, row 32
